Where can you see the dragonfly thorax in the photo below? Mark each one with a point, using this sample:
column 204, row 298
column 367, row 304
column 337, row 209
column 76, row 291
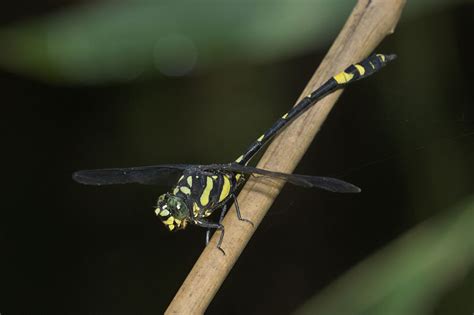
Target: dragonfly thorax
column 172, row 211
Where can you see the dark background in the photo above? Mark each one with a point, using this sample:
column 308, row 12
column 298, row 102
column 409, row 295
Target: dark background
column 406, row 136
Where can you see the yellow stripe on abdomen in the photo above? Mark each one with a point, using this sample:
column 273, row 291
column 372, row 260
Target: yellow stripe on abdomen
column 360, row 69
column 343, row 77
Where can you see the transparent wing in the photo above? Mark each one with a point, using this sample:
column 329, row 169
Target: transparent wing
column 327, row 183
column 149, row 175
column 168, row 174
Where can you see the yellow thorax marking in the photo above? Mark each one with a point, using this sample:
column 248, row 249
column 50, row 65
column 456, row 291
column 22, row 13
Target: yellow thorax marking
column 195, row 209
column 190, row 181
column 207, row 191
column 343, row 77
column 238, row 176
column 176, row 189
column 360, row 69
column 185, row 190
column 225, row 189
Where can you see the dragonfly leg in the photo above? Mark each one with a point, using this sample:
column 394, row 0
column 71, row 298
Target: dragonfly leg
column 237, row 210
column 221, row 217
column 223, row 212
column 209, row 226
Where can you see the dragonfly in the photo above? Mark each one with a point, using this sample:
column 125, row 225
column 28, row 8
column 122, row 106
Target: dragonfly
column 200, row 190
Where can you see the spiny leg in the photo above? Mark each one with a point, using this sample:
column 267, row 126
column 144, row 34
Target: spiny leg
column 221, row 217
column 217, row 226
column 223, row 212
column 237, row 210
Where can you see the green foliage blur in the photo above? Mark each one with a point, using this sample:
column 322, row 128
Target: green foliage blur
column 98, row 84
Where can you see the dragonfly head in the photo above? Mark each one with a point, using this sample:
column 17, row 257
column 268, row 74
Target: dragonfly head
column 172, row 211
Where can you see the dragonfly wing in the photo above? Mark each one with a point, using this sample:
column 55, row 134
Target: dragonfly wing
column 149, row 175
column 327, row 183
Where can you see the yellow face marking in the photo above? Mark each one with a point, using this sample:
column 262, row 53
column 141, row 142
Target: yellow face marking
column 190, row 181
column 360, row 69
column 163, row 213
column 178, row 222
column 175, row 191
column 239, row 159
column 185, row 190
column 207, row 213
column 195, row 209
column 343, row 77
column 382, row 57
column 169, row 221
column 284, row 116
column 225, row 188
column 207, row 191
column 261, row 138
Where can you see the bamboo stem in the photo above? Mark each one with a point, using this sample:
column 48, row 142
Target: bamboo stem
column 369, row 22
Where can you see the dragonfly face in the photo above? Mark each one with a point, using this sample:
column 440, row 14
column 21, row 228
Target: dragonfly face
column 172, row 211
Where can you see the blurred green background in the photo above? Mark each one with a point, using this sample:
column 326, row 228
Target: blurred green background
column 93, row 84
